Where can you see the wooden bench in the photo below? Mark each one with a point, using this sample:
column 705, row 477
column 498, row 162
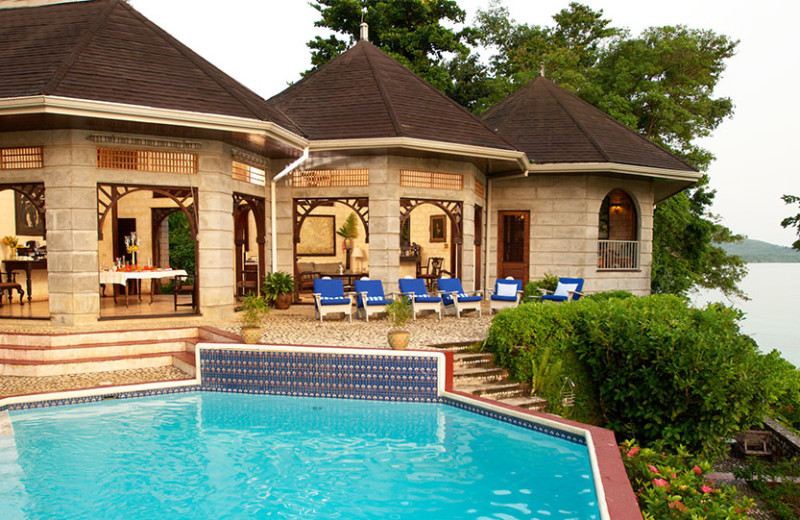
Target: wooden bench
column 754, row 442
column 9, row 285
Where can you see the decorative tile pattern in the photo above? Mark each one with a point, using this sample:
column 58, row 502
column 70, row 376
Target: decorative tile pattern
column 529, row 424
column 315, row 374
column 94, row 398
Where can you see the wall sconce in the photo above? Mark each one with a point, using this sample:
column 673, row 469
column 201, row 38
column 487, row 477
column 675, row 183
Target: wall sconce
column 616, row 207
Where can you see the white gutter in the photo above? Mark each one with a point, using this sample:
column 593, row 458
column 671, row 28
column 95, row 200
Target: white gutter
column 625, row 169
column 273, row 205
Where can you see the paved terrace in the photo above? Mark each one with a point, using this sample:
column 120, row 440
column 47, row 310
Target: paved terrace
column 295, row 326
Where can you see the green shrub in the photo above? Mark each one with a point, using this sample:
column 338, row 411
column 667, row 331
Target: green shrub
column 768, row 480
column 786, row 395
column 650, row 368
column 611, row 294
column 674, row 486
column 549, row 282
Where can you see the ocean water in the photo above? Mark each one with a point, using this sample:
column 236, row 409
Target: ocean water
column 772, row 315
column 208, row 455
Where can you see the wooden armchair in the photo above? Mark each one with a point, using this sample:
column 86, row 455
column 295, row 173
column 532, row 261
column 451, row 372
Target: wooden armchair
column 9, row 285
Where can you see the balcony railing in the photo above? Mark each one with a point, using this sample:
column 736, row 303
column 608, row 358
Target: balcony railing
column 617, row 255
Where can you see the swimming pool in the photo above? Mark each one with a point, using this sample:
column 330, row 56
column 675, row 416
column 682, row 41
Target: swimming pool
column 202, row 455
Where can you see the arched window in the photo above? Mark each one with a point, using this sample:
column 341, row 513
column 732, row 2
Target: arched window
column 618, row 229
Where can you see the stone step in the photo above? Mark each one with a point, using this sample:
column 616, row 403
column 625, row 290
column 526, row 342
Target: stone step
column 477, row 375
column 472, row 360
column 181, row 359
column 45, row 354
column 73, row 340
column 457, row 347
column 495, row 390
column 536, row 403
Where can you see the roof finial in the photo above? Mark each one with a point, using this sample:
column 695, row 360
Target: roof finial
column 541, row 69
column 364, row 27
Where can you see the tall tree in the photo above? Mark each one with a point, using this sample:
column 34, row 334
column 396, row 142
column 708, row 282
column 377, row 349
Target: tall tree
column 792, row 221
column 661, row 85
column 410, row 31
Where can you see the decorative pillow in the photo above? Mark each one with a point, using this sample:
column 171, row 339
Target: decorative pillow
column 506, row 289
column 563, row 289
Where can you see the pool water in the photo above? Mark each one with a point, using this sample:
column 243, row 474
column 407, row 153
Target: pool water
column 207, row 455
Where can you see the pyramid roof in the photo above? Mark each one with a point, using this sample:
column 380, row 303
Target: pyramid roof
column 364, row 94
column 104, row 50
column 552, row 125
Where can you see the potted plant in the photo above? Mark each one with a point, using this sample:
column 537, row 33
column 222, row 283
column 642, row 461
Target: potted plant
column 254, row 309
column 278, row 288
column 399, row 311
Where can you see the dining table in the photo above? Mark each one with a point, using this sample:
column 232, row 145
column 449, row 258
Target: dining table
column 122, row 277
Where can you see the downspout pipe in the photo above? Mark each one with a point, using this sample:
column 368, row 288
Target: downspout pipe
column 274, row 208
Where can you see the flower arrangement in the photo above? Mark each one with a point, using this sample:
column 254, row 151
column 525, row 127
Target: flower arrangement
column 11, row 241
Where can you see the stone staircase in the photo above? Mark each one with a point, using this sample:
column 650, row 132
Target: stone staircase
column 475, row 373
column 36, row 355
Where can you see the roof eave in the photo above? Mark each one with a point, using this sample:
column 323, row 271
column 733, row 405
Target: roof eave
column 519, row 159
column 617, row 168
column 143, row 114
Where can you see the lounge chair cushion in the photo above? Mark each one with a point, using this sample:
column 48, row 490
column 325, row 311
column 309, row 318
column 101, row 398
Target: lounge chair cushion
column 416, row 286
column 334, row 300
column 500, row 298
column 448, row 299
column 374, row 290
column 427, row 299
column 506, row 289
column 564, row 289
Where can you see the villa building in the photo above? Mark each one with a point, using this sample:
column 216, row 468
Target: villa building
column 109, row 127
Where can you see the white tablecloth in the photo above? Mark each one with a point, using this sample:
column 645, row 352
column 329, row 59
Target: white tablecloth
column 122, row 277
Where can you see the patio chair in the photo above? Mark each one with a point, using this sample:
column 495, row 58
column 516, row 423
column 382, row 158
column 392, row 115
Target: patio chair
column 568, row 289
column 507, row 293
column 9, row 285
column 455, row 299
column 183, row 285
column 414, row 288
column 329, row 298
column 370, row 298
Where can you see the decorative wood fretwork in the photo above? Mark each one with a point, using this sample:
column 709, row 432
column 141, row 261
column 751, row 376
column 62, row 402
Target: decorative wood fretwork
column 329, row 178
column 109, row 194
column 21, row 158
column 480, row 192
column 146, row 160
column 453, row 209
column 303, row 207
column 431, row 180
column 33, row 191
column 243, row 204
column 139, row 141
column 246, row 173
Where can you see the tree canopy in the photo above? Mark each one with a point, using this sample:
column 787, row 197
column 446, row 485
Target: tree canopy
column 411, row 31
column 659, row 83
column 792, row 221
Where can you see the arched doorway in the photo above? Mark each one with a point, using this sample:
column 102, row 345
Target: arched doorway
column 23, row 208
column 618, row 232
column 434, row 231
column 138, row 217
column 318, row 247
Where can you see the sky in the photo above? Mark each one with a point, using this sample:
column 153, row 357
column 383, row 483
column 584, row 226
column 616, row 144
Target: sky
column 262, row 44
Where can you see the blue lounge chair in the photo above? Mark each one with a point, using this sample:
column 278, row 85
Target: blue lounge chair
column 507, row 293
column 455, row 300
column 370, row 298
column 329, row 298
column 568, row 289
column 414, row 288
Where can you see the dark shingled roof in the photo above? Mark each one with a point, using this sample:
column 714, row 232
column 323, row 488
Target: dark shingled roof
column 104, row 50
column 366, row 94
column 552, row 125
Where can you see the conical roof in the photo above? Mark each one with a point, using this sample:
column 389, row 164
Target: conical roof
column 551, row 125
column 365, row 94
column 104, row 50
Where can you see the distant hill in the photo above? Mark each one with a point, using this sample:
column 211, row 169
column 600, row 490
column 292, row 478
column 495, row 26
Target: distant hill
column 756, row 251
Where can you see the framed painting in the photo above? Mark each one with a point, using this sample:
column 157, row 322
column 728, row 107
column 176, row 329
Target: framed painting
column 28, row 219
column 438, row 228
column 318, row 236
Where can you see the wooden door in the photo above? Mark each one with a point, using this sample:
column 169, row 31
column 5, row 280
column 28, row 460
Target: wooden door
column 513, row 248
column 478, row 244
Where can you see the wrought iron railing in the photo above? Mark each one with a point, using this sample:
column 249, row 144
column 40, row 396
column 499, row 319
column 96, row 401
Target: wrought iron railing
column 617, row 254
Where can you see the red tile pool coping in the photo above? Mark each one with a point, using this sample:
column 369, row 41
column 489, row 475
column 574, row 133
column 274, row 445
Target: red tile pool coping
column 410, row 375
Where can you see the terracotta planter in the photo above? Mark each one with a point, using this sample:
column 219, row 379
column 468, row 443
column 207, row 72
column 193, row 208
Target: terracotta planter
column 283, row 301
column 251, row 335
column 398, row 339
